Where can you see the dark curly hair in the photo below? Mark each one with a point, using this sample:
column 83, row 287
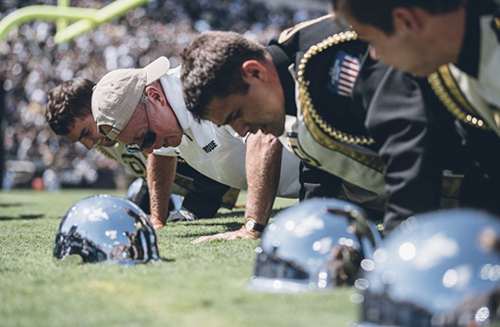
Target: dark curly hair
column 212, row 68
column 68, row 101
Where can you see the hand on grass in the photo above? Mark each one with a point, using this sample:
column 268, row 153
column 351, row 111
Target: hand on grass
column 241, row 233
column 157, row 223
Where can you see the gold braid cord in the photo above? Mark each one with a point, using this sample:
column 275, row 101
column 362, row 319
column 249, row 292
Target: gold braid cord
column 321, row 130
column 444, row 86
column 305, row 97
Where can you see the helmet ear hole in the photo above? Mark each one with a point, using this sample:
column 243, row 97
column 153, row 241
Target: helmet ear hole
column 314, row 245
column 106, row 228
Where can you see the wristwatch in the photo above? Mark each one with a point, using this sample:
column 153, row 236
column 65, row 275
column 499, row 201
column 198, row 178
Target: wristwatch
column 252, row 225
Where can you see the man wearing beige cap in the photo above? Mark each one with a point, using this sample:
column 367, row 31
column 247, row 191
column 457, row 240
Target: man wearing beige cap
column 145, row 109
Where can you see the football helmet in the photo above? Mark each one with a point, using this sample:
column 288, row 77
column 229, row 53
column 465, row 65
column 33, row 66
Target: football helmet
column 439, row 269
column 138, row 193
column 317, row 244
column 106, row 228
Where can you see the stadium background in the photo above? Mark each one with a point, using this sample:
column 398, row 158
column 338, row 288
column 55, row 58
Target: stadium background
column 31, row 64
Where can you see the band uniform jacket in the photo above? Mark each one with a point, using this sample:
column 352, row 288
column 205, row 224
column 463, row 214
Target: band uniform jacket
column 410, row 119
column 470, row 91
column 417, row 139
column 318, row 62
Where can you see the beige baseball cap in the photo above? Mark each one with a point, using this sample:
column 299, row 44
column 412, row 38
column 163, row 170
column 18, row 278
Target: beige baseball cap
column 118, row 93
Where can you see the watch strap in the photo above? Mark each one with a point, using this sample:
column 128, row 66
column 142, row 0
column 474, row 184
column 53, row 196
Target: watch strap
column 256, row 226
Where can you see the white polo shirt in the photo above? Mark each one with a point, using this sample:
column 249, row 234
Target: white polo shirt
column 218, row 152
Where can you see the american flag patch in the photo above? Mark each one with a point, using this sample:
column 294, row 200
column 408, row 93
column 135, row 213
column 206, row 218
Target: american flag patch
column 343, row 73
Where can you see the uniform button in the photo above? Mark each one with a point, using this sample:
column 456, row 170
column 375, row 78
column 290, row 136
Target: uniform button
column 496, row 115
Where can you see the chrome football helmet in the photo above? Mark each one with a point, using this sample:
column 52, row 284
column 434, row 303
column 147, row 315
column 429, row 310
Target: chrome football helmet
column 317, row 244
column 106, row 228
column 138, row 193
column 439, row 269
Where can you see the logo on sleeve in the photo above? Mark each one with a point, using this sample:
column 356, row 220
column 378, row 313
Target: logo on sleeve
column 343, row 73
column 210, row 146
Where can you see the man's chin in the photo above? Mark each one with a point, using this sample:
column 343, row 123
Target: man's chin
column 421, row 72
column 171, row 143
column 277, row 132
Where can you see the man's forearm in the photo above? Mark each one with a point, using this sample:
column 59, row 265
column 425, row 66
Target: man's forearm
column 161, row 173
column 263, row 165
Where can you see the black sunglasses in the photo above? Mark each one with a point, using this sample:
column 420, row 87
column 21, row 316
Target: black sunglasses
column 148, row 141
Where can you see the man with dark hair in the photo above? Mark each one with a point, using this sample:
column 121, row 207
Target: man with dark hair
column 228, row 79
column 412, row 35
column 224, row 53
column 456, row 42
column 379, row 13
column 69, row 114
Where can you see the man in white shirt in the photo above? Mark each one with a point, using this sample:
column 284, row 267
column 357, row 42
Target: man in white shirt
column 69, row 115
column 145, row 108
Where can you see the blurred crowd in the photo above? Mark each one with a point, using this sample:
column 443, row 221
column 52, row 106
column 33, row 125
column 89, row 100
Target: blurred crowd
column 32, row 64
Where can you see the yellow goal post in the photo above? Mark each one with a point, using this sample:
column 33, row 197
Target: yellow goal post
column 84, row 19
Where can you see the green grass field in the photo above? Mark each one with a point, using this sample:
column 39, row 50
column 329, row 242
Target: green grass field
column 196, row 285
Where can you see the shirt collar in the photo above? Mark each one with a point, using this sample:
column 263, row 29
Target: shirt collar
column 282, row 62
column 468, row 60
column 171, row 83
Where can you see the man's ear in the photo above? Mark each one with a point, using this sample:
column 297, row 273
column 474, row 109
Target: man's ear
column 155, row 94
column 253, row 69
column 373, row 53
column 408, row 20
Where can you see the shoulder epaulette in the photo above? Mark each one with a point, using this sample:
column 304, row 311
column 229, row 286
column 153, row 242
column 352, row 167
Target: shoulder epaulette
column 447, row 90
column 288, row 33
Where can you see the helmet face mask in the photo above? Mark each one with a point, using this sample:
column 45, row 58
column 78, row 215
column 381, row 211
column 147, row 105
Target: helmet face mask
column 316, row 245
column 440, row 269
column 106, row 228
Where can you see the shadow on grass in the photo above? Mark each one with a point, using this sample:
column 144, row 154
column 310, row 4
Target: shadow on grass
column 230, row 214
column 166, row 259
column 229, row 226
column 8, row 205
column 234, row 214
column 24, row 217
